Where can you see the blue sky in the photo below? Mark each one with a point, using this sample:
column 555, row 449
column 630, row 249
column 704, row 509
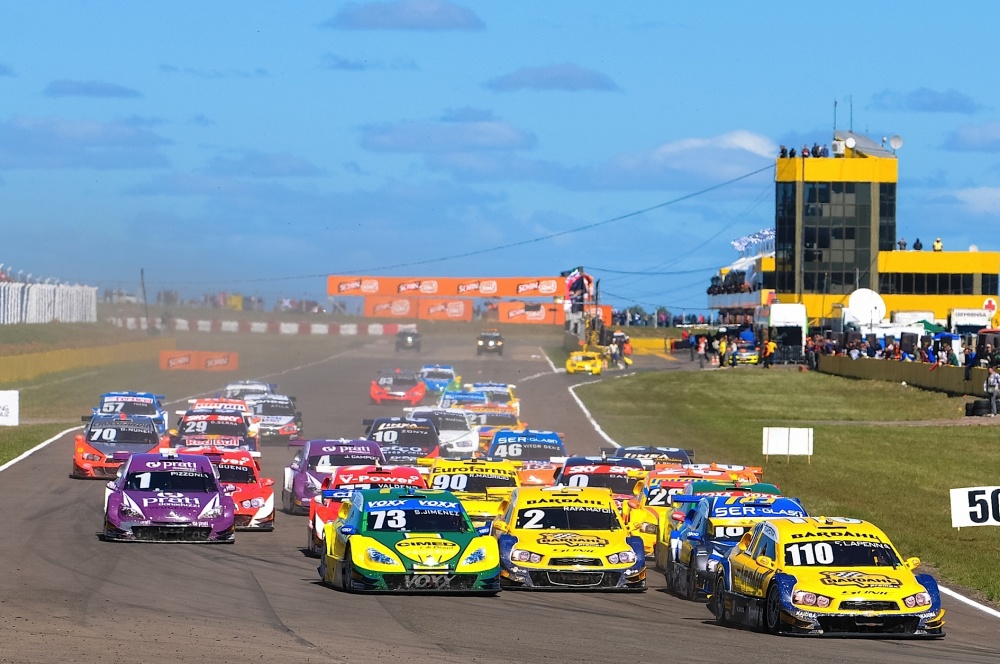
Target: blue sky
column 254, row 146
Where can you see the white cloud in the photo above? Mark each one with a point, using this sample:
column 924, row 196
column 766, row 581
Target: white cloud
column 980, row 200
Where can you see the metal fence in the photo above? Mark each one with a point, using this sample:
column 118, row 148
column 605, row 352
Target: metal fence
column 46, row 303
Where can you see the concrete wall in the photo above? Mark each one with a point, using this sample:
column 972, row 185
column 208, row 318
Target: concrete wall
column 32, row 365
column 942, row 379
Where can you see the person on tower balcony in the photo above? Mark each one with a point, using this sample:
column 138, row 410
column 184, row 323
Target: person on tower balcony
column 918, row 245
column 937, row 246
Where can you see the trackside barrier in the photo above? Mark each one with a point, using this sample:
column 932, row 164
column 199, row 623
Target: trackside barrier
column 918, row 374
column 45, row 303
column 32, row 365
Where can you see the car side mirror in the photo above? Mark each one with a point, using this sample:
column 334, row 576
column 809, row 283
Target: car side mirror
column 744, row 543
column 912, row 563
column 110, row 485
column 637, row 489
column 764, row 561
column 677, row 516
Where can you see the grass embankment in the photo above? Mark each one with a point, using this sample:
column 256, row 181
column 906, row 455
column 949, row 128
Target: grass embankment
column 871, row 466
column 55, row 402
column 24, row 338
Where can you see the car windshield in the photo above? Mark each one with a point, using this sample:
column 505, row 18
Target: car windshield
column 428, row 520
column 128, row 407
column 213, row 428
column 233, row 474
column 841, row 553
column 619, row 484
column 241, row 392
column 527, row 451
column 137, row 436
column 568, row 518
column 334, row 460
column 181, row 481
column 497, row 419
column 472, row 482
column 273, row 408
column 439, row 375
column 446, row 421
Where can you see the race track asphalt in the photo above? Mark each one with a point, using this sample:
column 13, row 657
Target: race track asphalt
column 66, row 596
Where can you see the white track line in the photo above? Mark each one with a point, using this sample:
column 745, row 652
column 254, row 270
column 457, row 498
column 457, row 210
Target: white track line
column 548, row 359
column 45, row 443
column 597, row 427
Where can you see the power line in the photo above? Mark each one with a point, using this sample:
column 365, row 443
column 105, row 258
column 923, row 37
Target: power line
column 501, row 247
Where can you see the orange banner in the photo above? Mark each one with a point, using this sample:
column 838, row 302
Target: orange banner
column 519, row 312
column 386, row 306
column 487, row 287
column 430, row 308
column 198, row 360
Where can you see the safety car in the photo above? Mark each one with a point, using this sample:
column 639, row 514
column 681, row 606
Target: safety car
column 746, row 353
column 489, row 341
column 567, row 538
column 168, row 498
column 825, row 576
column 317, row 460
column 408, row 340
column 408, row 540
column 243, row 389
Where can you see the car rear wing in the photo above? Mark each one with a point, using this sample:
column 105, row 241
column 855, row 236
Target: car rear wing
column 499, row 492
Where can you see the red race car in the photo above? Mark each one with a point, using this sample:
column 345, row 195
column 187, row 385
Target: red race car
column 398, row 385
column 239, row 476
column 326, row 506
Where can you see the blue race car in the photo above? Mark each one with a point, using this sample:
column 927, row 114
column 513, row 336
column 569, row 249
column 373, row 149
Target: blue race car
column 134, row 405
column 438, row 377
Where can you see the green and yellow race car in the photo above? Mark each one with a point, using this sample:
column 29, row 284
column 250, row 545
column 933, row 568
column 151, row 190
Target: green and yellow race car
column 408, row 540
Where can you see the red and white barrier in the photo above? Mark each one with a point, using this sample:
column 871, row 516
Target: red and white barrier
column 261, row 327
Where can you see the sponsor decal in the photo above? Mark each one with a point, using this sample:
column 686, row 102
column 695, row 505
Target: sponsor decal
column 163, row 499
column 860, row 579
column 345, row 286
column 571, row 539
column 429, row 286
column 527, row 287
column 547, row 286
column 408, row 286
column 218, row 362
column 437, row 308
column 382, row 306
column 179, row 361
column 369, row 285
column 514, row 313
column 401, row 307
column 428, row 582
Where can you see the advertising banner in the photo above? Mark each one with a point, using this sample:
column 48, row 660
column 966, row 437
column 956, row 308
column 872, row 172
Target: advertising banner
column 9, row 408
column 444, row 309
column 387, row 306
column 486, row 287
column 519, row 312
column 198, row 360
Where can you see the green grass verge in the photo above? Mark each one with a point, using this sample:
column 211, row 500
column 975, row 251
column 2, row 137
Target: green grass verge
column 20, row 339
column 875, row 467
column 15, row 440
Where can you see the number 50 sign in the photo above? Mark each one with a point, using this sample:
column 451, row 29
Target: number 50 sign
column 975, row 506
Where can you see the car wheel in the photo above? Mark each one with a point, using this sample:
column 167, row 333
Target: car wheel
column 286, row 502
column 718, row 605
column 691, row 591
column 345, row 578
column 772, row 610
column 311, row 549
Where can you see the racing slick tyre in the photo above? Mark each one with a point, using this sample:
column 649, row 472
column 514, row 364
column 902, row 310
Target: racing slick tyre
column 311, row 549
column 772, row 610
column 286, row 502
column 691, row 591
column 719, row 606
column 348, row 571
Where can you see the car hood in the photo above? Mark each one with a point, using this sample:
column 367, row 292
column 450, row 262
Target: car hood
column 571, row 542
column 416, row 550
column 132, row 448
column 857, row 582
column 276, row 420
column 172, row 506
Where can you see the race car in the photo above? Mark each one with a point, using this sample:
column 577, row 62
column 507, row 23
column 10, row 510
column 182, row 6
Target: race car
column 205, row 428
column 253, row 495
column 497, row 394
column 133, row 405
column 540, row 453
column 455, row 433
column 408, row 340
column 585, row 362
column 98, row 450
column 408, row 540
column 481, row 484
column 650, row 455
column 227, row 407
column 403, row 441
column 325, row 507
column 489, row 341
column 746, row 353
column 168, row 498
column 488, row 420
column 620, row 476
column 318, row 460
column 243, row 389
column 438, row 377
column 570, row 538
column 461, row 398
column 713, row 525
column 825, row 576
column 398, row 385
column 279, row 418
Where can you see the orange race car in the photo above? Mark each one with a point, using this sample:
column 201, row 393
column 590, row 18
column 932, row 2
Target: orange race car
column 489, row 419
column 239, row 476
column 108, row 440
column 326, row 506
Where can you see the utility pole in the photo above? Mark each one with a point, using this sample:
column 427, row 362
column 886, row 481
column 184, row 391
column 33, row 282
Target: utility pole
column 145, row 300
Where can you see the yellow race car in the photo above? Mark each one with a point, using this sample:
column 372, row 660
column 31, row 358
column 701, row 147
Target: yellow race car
column 480, row 484
column 825, row 576
column 570, row 538
column 585, row 362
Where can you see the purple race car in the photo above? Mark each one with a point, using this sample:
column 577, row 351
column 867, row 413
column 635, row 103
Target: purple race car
column 318, row 460
column 168, row 498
